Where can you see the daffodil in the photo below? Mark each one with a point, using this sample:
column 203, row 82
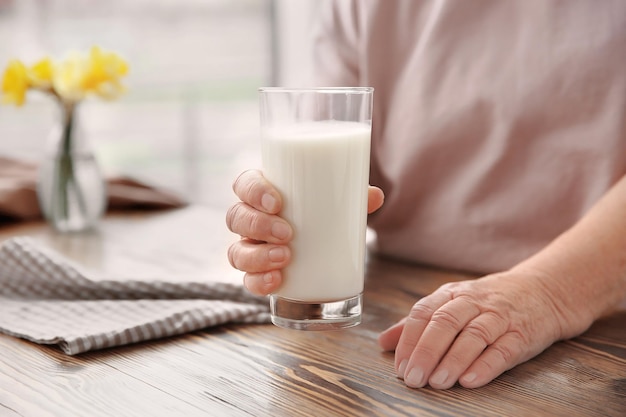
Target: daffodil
column 96, row 73
column 103, row 73
column 40, row 74
column 15, row 83
column 72, row 79
column 68, row 77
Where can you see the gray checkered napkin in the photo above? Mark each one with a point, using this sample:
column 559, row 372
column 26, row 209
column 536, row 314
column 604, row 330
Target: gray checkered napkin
column 46, row 299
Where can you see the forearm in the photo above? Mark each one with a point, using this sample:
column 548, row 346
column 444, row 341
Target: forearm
column 585, row 267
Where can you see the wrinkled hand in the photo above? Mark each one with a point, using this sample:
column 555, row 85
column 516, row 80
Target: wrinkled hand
column 472, row 331
column 263, row 248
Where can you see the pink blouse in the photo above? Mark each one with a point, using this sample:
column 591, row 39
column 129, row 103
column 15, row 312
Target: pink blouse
column 497, row 124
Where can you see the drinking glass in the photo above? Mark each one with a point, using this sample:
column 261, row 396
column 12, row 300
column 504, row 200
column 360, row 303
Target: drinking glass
column 315, row 147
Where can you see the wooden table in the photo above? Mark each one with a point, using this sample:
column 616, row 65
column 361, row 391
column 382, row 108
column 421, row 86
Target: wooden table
column 262, row 370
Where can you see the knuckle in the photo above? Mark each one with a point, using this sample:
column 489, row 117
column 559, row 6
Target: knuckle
column 420, row 311
column 232, row 255
column 480, row 332
column 252, row 257
column 247, row 222
column 232, row 214
column 254, row 221
column 451, row 288
column 252, row 192
column 248, row 188
column 241, row 180
column 487, row 367
column 426, row 354
column 445, row 319
column 457, row 360
column 505, row 351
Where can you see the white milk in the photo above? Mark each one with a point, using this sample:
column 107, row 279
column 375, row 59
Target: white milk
column 322, row 172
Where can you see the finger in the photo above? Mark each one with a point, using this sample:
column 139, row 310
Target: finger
column 252, row 188
column 263, row 283
column 502, row 355
column 255, row 257
column 248, row 222
column 416, row 322
column 475, row 337
column 388, row 339
column 375, row 199
column 444, row 326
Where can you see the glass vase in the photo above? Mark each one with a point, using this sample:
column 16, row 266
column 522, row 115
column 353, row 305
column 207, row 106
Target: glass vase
column 71, row 188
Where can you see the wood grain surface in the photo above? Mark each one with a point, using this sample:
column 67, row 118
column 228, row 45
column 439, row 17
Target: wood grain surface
column 262, row 370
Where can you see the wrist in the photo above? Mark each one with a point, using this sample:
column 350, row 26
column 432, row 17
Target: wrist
column 573, row 310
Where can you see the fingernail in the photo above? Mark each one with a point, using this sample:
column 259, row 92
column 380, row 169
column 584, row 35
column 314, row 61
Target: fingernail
column 277, row 254
column 402, row 368
column 268, row 278
column 280, row 230
column 440, row 377
column 414, row 378
column 469, row 377
column 268, row 202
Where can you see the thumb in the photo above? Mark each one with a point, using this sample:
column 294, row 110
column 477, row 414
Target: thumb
column 375, row 199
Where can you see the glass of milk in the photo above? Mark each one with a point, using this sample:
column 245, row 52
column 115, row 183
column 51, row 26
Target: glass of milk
column 316, row 151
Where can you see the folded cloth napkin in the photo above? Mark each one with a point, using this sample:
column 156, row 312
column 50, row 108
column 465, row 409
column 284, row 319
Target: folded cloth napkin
column 49, row 300
column 18, row 192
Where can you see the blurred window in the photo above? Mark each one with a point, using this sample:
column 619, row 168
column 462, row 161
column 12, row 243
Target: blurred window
column 189, row 120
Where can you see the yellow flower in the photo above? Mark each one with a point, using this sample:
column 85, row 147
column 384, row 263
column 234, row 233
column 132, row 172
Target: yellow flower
column 40, row 74
column 15, row 83
column 104, row 70
column 67, row 77
column 70, row 80
column 98, row 72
